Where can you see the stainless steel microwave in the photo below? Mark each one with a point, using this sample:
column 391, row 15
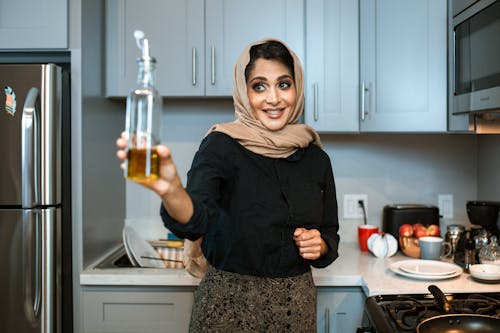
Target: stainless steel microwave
column 475, row 82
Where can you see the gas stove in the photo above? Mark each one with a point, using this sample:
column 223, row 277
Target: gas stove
column 402, row 313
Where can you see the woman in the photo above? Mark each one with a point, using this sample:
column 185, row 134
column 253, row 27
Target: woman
column 261, row 194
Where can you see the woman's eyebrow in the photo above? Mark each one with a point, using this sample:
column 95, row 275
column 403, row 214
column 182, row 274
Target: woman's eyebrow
column 263, row 78
column 258, row 78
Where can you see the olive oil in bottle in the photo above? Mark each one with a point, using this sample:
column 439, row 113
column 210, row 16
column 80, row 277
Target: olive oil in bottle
column 143, row 118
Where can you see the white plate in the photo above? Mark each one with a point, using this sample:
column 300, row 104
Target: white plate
column 127, row 248
column 427, row 267
column 140, row 250
column 395, row 268
column 485, row 271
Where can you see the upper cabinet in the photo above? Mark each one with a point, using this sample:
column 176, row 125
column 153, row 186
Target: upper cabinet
column 175, row 29
column 196, row 42
column 377, row 68
column 33, row 24
column 403, row 65
column 332, row 65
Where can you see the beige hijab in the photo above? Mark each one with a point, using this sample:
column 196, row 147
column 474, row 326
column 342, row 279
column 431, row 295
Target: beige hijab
column 250, row 133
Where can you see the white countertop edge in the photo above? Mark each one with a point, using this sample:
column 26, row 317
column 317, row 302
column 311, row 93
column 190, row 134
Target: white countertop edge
column 352, row 269
column 338, row 281
column 179, row 277
column 138, row 277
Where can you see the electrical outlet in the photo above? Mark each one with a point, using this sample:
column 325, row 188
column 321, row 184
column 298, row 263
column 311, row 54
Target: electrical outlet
column 352, row 209
column 445, row 204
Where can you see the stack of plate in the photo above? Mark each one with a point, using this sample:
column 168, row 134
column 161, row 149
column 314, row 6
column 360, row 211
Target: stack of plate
column 139, row 251
column 425, row 269
column 486, row 273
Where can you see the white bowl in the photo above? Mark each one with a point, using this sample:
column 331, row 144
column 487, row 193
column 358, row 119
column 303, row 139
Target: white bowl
column 485, row 271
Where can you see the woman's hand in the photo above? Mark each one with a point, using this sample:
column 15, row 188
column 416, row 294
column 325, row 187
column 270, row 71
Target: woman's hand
column 311, row 245
column 168, row 186
column 168, row 180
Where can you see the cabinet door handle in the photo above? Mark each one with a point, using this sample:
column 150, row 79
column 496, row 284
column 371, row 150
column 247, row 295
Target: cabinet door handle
column 315, row 93
column 362, row 93
column 193, row 64
column 212, row 67
column 327, row 320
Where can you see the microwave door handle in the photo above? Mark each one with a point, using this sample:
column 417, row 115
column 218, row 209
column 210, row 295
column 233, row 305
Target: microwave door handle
column 31, row 279
column 29, row 151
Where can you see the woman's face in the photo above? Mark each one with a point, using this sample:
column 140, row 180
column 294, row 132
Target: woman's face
column 271, row 93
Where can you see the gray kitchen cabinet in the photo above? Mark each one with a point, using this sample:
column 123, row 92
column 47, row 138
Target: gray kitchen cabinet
column 340, row 309
column 33, row 24
column 175, row 32
column 332, row 65
column 196, row 42
column 403, row 72
column 232, row 24
column 136, row 309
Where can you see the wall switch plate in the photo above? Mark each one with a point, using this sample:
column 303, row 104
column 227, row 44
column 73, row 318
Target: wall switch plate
column 445, row 204
column 352, row 209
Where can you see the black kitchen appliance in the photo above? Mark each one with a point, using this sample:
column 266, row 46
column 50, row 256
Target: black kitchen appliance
column 475, row 76
column 485, row 214
column 396, row 215
column 403, row 313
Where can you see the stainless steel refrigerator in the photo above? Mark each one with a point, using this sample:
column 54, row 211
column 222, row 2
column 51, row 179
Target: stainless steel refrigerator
column 35, row 219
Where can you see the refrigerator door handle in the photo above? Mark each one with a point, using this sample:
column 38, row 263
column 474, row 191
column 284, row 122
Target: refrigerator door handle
column 32, row 279
column 50, row 272
column 29, row 139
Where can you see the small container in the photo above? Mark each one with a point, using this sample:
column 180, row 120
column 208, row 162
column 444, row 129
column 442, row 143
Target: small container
column 470, row 254
column 490, row 253
column 454, row 234
column 142, row 125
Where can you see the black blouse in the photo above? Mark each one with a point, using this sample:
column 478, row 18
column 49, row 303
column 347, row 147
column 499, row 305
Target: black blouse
column 247, row 206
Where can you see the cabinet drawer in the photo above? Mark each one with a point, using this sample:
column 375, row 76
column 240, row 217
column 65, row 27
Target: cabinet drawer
column 136, row 311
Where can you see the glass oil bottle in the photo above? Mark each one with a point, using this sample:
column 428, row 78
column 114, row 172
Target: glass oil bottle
column 142, row 125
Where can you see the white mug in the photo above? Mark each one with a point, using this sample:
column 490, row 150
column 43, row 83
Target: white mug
column 433, row 248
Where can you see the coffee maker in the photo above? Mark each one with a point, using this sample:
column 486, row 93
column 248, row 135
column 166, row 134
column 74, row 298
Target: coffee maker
column 484, row 214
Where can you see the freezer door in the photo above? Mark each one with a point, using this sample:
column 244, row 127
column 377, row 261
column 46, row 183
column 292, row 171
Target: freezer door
column 30, row 275
column 30, row 135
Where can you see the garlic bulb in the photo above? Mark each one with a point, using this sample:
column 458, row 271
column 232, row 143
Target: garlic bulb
column 382, row 245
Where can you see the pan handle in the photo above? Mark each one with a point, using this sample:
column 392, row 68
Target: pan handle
column 440, row 298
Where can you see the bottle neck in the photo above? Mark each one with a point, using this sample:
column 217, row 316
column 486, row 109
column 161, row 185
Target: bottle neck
column 146, row 74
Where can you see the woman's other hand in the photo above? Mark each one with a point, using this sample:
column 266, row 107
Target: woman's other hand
column 311, row 245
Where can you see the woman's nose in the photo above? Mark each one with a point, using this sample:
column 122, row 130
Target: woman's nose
column 272, row 96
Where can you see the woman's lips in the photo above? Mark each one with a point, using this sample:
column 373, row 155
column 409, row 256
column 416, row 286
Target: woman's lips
column 274, row 113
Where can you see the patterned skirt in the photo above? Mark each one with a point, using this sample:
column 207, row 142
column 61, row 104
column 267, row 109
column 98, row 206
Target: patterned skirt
column 231, row 302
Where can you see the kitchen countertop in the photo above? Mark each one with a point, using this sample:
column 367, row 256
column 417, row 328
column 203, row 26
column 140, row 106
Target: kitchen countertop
column 353, row 268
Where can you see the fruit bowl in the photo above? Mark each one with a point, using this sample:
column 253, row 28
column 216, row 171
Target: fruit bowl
column 409, row 246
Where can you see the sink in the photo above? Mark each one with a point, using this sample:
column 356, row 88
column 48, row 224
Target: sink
column 117, row 259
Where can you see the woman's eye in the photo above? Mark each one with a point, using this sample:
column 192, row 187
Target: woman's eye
column 284, row 85
column 258, row 87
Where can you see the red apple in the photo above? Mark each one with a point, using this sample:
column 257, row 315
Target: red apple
column 406, row 230
column 417, row 226
column 420, row 231
column 433, row 230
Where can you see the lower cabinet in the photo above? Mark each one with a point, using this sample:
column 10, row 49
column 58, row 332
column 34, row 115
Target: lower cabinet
column 136, row 309
column 340, row 309
column 168, row 309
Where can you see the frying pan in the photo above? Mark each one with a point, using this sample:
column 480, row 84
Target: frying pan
column 456, row 323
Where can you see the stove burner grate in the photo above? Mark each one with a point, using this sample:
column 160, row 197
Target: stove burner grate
column 404, row 312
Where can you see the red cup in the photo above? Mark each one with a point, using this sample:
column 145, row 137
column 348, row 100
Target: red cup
column 364, row 232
